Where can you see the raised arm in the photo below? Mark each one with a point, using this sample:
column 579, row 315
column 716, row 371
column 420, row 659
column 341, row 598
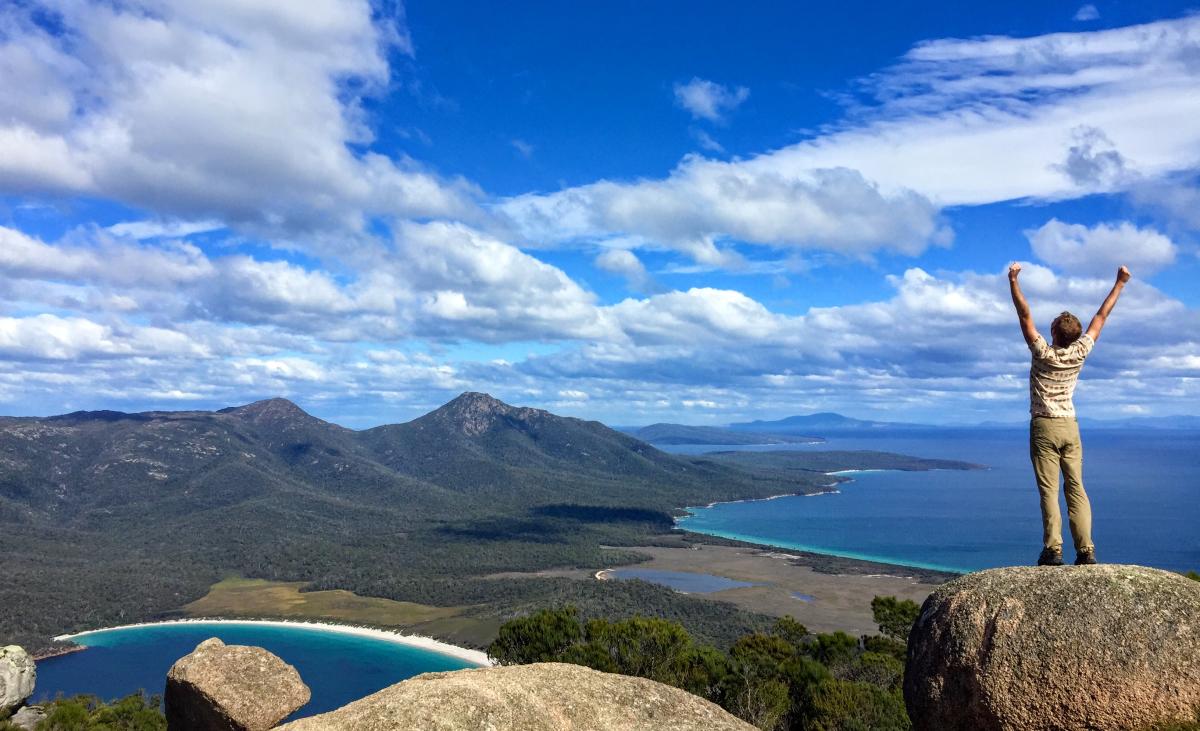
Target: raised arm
column 1097, row 323
column 1028, row 329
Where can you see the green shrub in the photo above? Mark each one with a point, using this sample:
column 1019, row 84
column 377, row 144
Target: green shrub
column 135, row 712
column 844, row 705
column 834, row 650
column 540, row 637
column 782, row 679
column 791, row 631
column 756, row 700
column 643, row 647
column 886, row 646
column 883, row 671
column 895, row 617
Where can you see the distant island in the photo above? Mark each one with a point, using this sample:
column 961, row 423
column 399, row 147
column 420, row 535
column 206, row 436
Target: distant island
column 826, row 423
column 672, row 434
column 832, row 461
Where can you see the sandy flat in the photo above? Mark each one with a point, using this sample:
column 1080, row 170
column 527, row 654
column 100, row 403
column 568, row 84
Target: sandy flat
column 840, row 601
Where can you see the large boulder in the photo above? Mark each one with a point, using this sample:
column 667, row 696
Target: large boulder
column 539, row 697
column 18, row 674
column 221, row 687
column 1073, row 647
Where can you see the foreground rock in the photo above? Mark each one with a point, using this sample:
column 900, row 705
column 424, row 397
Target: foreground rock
column 28, row 718
column 1096, row 647
column 540, row 697
column 221, row 687
column 17, row 677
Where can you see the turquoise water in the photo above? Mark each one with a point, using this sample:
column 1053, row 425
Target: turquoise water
column 684, row 581
column 338, row 667
column 1144, row 487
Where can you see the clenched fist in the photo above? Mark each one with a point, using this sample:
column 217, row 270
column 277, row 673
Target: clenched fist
column 1123, row 274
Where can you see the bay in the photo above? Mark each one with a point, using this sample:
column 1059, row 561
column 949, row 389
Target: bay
column 1144, row 487
column 338, row 667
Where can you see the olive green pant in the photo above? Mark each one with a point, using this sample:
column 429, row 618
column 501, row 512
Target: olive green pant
column 1053, row 445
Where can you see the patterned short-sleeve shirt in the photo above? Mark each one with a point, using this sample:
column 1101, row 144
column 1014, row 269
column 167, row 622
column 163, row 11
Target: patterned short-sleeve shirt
column 1053, row 375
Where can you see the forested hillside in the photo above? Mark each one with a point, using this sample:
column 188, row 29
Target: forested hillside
column 111, row 517
column 108, row 518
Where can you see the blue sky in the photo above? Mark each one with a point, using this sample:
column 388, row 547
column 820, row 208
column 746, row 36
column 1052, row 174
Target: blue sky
column 633, row 212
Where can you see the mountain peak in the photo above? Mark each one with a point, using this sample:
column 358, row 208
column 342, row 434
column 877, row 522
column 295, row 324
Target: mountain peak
column 268, row 410
column 473, row 413
column 478, row 400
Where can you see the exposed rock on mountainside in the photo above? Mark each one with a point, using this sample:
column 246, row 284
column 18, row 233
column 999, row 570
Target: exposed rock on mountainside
column 1096, row 647
column 540, row 697
column 17, row 677
column 221, row 687
column 474, row 413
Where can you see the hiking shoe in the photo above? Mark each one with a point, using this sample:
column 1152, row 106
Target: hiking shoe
column 1086, row 557
column 1050, row 557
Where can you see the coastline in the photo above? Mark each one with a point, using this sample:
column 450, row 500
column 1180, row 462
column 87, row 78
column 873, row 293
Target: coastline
column 476, row 657
column 830, row 489
column 760, row 542
column 57, row 652
column 763, row 544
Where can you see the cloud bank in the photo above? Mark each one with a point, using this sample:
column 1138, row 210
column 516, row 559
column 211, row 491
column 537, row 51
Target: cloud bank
column 278, row 253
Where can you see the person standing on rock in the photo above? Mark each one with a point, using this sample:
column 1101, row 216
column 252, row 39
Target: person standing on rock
column 1053, row 430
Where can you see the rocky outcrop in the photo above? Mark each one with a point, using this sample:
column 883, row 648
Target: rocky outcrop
column 221, row 687
column 28, row 718
column 1096, row 647
column 475, row 413
column 540, row 697
column 17, row 677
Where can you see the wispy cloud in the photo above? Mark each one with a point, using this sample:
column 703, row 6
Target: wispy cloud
column 164, row 229
column 709, row 100
column 706, row 141
column 523, row 148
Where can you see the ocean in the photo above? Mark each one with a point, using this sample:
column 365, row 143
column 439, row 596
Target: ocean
column 337, row 667
column 1144, row 487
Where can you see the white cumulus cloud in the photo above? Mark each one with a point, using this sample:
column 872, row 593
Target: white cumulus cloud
column 1099, row 250
column 241, row 111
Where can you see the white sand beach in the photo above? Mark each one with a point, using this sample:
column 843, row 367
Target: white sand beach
column 476, row 657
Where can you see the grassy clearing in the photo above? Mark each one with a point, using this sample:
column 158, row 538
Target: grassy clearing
column 238, row 597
